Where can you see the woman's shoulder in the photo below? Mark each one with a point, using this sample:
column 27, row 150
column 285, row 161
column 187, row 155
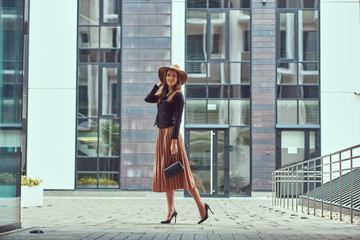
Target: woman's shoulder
column 179, row 96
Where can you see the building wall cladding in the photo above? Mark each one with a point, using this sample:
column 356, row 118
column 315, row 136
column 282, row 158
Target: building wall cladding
column 263, row 92
column 146, row 45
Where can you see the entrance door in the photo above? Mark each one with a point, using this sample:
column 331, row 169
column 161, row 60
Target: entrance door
column 209, row 160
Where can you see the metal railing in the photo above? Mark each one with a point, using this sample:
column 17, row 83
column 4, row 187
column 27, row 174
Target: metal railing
column 331, row 181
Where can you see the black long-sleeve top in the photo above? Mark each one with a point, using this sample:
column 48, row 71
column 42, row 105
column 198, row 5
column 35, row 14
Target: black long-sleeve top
column 168, row 114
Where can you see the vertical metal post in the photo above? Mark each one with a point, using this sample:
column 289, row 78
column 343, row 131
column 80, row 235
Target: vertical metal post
column 322, row 187
column 287, row 191
column 330, row 187
column 351, row 185
column 302, row 188
column 292, row 188
column 340, row 192
column 296, row 200
column 308, row 187
column 272, row 188
column 315, row 177
column 283, row 196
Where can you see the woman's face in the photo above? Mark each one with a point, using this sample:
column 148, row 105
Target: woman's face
column 171, row 78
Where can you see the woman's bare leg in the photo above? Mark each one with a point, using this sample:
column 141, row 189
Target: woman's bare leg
column 170, row 203
column 195, row 194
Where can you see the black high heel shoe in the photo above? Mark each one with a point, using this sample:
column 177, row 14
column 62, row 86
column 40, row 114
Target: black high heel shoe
column 169, row 221
column 206, row 215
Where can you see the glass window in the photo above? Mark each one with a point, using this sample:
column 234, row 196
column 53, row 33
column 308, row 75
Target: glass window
column 284, row 92
column 288, row 3
column 308, row 112
column 87, row 137
column 110, row 56
column 89, row 12
column 87, row 164
column 239, row 112
column 287, row 111
column 309, row 3
column 292, row 147
column 308, row 73
column 308, row 92
column 196, row 3
column 240, row 3
column 195, row 111
column 239, row 91
column 110, row 37
column 88, row 180
column 88, row 37
column 88, row 56
column 109, row 164
column 109, row 180
column 217, row 111
column 287, row 35
column 239, row 73
column 218, row 3
column 218, row 72
column 196, row 32
column 110, row 11
column 308, row 35
column 218, row 36
column 218, row 91
column 109, row 91
column 88, row 90
column 239, row 174
column 109, row 137
column 287, row 73
column 196, row 91
column 239, row 29
column 196, row 72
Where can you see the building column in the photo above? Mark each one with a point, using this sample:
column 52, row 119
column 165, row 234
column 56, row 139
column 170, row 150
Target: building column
column 263, row 90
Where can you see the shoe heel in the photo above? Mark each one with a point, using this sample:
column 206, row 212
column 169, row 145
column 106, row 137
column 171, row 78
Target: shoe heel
column 211, row 210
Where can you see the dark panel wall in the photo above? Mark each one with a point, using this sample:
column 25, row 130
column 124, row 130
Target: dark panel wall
column 263, row 93
column 146, row 43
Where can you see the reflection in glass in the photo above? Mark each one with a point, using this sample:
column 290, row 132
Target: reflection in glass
column 88, row 90
column 108, row 180
column 239, row 140
column 286, row 112
column 287, row 92
column 220, row 162
column 287, row 36
column 217, row 111
column 109, row 164
column 196, row 3
column 195, row 111
column 309, row 112
column 239, row 112
column 196, row 23
column 239, row 91
column 200, row 159
column 312, row 142
column 239, row 30
column 292, row 147
column 86, row 164
column 88, row 37
column 288, row 3
column 88, row 56
column 110, row 37
column 110, row 56
column 309, row 4
column 308, row 35
column 109, row 140
column 308, row 73
column 196, row 91
column 287, row 73
column 218, row 36
column 218, row 3
column 239, row 73
column 87, row 137
column 218, row 91
column 196, row 72
column 89, row 12
column 88, row 180
column 109, row 91
column 110, row 11
column 239, row 3
column 308, row 91
column 218, row 72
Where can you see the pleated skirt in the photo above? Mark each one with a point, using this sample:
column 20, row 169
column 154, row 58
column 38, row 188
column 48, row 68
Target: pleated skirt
column 161, row 183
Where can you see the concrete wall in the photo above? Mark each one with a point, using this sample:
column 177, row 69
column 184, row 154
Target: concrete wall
column 52, row 92
column 340, row 76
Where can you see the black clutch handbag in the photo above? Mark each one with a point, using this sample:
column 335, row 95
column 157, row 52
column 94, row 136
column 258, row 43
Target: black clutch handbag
column 174, row 166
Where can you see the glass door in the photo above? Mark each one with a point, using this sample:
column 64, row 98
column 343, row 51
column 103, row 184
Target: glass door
column 208, row 157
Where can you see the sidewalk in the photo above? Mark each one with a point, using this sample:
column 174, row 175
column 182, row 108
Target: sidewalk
column 139, row 218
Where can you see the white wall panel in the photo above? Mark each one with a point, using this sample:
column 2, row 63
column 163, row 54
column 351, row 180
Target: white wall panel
column 52, row 92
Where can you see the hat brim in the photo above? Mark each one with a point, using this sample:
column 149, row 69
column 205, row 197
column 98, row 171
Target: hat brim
column 163, row 70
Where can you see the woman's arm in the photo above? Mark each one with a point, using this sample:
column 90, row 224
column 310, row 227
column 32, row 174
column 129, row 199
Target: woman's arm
column 179, row 107
column 151, row 98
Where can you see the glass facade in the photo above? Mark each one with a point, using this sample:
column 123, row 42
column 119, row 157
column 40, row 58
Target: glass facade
column 298, row 83
column 98, row 100
column 218, row 87
column 11, row 110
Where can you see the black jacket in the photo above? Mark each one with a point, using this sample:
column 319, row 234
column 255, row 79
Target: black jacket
column 168, row 114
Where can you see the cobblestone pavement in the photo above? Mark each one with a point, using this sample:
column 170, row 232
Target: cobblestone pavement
column 129, row 218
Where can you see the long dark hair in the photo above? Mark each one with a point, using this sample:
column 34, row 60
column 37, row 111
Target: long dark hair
column 165, row 90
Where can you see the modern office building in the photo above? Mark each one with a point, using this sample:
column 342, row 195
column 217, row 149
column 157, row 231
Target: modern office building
column 270, row 83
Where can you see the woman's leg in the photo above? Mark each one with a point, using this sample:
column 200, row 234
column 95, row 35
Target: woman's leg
column 170, row 203
column 195, row 194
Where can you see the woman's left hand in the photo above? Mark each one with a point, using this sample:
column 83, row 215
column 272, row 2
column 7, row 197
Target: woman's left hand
column 173, row 146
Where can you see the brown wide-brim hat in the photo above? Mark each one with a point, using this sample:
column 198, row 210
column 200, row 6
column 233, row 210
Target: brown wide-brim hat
column 175, row 67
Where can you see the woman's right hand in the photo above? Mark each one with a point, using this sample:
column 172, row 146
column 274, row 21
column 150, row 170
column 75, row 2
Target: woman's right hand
column 159, row 84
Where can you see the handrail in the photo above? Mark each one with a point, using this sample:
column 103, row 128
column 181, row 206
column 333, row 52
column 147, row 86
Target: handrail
column 328, row 179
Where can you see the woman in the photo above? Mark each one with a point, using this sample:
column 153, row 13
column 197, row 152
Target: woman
column 170, row 103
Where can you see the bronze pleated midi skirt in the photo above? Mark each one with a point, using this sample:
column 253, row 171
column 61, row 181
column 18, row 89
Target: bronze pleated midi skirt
column 161, row 183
